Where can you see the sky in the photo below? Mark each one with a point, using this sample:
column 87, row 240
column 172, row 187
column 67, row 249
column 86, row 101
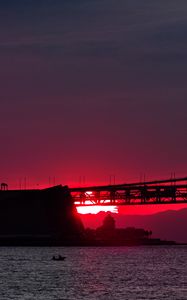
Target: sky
column 90, row 89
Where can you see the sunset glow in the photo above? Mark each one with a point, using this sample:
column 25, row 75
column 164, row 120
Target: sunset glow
column 93, row 181
column 96, row 209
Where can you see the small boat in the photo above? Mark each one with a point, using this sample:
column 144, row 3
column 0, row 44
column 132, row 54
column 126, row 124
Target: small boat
column 58, row 258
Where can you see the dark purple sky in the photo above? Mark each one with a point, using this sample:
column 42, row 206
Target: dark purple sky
column 92, row 88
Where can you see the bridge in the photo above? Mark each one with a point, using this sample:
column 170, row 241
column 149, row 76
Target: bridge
column 169, row 191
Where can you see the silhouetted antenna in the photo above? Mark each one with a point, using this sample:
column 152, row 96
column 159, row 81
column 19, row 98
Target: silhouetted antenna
column 112, row 179
column 82, row 180
column 25, row 183
column 20, row 183
column 144, row 178
column 54, row 181
column 4, row 186
column 172, row 177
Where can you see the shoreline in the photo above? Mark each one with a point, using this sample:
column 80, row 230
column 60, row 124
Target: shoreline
column 59, row 243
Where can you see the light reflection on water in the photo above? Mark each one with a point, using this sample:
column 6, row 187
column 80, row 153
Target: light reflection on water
column 94, row 273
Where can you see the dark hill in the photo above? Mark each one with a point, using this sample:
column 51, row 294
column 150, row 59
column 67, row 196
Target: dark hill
column 170, row 225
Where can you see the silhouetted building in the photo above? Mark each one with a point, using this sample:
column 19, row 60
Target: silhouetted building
column 107, row 230
column 48, row 214
column 109, row 223
column 109, row 235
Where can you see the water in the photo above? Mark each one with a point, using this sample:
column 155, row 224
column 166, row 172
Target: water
column 94, row 273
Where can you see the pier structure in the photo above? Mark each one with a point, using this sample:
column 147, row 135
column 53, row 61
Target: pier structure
column 169, row 191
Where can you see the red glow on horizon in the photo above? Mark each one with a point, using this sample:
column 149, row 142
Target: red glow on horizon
column 130, row 210
column 96, row 209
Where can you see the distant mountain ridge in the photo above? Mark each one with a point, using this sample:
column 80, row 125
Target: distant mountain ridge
column 170, row 224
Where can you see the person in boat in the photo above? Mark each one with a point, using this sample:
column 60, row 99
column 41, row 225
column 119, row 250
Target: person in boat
column 59, row 257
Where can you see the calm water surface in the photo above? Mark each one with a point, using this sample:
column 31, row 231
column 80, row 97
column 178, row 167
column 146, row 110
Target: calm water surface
column 94, row 273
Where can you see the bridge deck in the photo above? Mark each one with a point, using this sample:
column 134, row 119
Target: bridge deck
column 171, row 191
